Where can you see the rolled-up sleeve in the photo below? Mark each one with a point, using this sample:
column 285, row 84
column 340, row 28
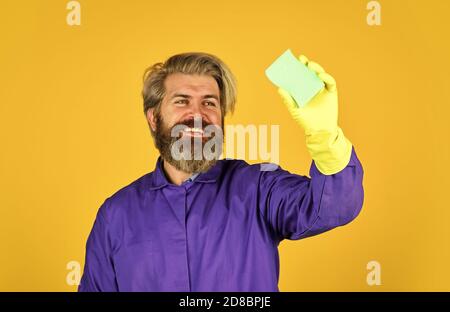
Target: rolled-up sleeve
column 98, row 272
column 297, row 206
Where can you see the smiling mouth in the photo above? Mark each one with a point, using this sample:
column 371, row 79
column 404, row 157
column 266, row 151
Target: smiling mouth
column 193, row 132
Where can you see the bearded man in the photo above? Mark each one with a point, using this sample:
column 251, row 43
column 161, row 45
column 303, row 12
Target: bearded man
column 201, row 223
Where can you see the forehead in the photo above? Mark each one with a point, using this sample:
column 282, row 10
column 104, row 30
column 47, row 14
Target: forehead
column 185, row 83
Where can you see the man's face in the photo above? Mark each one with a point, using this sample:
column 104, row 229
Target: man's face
column 191, row 107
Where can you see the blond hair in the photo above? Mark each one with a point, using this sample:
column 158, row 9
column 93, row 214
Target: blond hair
column 191, row 63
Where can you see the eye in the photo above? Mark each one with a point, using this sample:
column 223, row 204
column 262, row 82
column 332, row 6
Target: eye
column 209, row 103
column 181, row 102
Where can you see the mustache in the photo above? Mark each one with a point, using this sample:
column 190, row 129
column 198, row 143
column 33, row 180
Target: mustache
column 211, row 130
column 192, row 123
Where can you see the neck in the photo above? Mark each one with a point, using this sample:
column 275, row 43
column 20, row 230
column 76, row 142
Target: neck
column 174, row 175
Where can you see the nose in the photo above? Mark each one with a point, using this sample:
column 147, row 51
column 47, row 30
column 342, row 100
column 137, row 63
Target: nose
column 197, row 111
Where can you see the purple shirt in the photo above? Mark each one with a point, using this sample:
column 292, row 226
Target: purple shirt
column 219, row 232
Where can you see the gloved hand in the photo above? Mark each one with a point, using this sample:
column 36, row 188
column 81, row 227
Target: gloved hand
column 326, row 143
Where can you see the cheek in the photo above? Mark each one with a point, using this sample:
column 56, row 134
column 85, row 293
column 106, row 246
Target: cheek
column 215, row 118
column 170, row 116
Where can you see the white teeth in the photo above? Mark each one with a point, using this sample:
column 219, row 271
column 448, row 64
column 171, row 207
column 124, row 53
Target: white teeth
column 198, row 130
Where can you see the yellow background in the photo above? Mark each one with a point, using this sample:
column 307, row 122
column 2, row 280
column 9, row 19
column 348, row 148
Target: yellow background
column 72, row 131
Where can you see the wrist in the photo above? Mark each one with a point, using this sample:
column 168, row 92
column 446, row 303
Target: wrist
column 330, row 150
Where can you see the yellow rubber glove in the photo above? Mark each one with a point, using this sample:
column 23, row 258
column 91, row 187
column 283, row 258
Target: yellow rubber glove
column 326, row 143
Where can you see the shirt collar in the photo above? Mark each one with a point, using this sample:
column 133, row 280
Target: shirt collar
column 159, row 180
column 192, row 177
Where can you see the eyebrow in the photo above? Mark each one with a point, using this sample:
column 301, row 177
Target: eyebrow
column 206, row 96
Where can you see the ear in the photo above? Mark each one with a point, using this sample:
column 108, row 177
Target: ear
column 151, row 118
